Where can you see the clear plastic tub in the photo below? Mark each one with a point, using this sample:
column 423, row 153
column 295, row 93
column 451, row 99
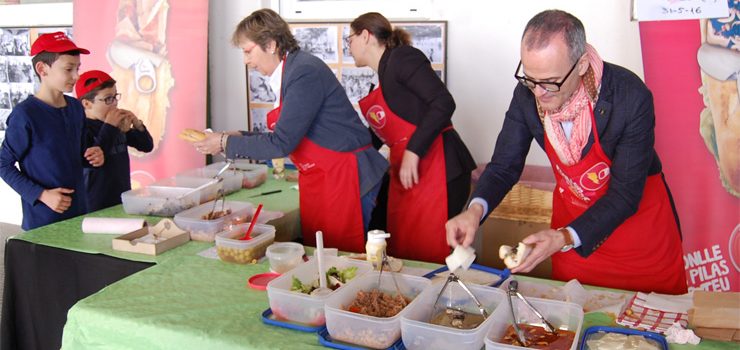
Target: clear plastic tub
column 205, row 230
column 303, row 308
column 364, row 330
column 418, row 333
column 159, row 201
column 284, row 256
column 562, row 315
column 208, row 188
column 253, row 174
column 232, row 179
column 230, row 248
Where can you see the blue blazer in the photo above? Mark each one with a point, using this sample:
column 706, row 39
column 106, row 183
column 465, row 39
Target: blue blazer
column 625, row 121
column 314, row 106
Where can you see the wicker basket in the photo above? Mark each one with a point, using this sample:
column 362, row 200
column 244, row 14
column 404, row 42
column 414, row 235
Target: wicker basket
column 524, row 203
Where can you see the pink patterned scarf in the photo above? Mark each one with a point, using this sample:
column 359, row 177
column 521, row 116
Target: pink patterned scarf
column 575, row 109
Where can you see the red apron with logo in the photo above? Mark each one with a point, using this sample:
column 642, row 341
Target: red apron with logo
column 329, row 193
column 643, row 254
column 416, row 217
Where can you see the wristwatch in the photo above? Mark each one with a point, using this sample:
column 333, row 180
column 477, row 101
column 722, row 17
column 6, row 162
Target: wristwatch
column 568, row 239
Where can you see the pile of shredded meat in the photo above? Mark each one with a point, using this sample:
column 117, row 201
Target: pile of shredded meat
column 378, row 304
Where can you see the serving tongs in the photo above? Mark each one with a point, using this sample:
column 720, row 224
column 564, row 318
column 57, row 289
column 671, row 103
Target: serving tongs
column 513, row 291
column 457, row 312
column 385, row 263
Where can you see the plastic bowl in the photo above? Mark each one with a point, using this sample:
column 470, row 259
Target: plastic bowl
column 284, row 256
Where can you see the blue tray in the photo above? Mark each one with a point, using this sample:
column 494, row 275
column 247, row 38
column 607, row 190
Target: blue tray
column 649, row 335
column 267, row 318
column 503, row 274
column 326, row 340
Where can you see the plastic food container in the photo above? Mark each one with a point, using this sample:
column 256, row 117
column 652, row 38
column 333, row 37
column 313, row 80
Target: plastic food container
column 418, row 333
column 562, row 315
column 364, row 330
column 303, row 308
column 253, row 174
column 207, row 188
column 205, row 230
column 596, row 332
column 284, row 256
column 230, row 248
column 159, row 201
column 232, row 180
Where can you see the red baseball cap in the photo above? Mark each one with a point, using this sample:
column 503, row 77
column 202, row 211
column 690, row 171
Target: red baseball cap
column 54, row 42
column 99, row 77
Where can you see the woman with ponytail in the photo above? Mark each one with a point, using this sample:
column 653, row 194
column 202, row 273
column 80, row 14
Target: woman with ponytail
column 411, row 111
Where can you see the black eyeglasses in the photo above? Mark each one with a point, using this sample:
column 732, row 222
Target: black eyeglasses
column 111, row 99
column 550, row 86
column 346, row 39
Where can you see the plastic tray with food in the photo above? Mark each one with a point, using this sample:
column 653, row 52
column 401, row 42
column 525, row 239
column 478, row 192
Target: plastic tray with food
column 207, row 188
column 590, row 299
column 208, row 219
column 605, row 338
column 232, row 180
column 231, row 248
column 476, row 274
column 253, row 174
column 287, row 293
column 368, row 312
column 159, row 201
column 453, row 321
column 567, row 318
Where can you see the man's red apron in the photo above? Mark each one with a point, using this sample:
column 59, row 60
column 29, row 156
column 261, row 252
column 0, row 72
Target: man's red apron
column 643, row 254
column 329, row 193
column 416, row 217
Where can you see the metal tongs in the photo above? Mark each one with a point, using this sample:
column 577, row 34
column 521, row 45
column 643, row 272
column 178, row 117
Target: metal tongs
column 513, row 291
column 457, row 312
column 384, row 262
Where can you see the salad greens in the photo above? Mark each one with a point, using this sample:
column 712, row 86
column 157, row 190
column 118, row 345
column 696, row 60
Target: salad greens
column 335, row 278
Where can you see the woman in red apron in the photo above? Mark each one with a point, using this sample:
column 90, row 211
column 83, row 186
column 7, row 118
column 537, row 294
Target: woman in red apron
column 610, row 199
column 410, row 112
column 315, row 124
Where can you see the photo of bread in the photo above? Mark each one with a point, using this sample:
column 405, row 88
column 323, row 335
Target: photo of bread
column 719, row 125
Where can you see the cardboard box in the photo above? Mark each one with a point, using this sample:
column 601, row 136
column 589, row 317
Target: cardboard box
column 526, row 209
column 495, row 232
column 168, row 236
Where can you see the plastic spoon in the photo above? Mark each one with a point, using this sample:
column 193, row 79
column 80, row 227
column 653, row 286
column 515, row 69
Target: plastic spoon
column 322, row 290
column 248, row 235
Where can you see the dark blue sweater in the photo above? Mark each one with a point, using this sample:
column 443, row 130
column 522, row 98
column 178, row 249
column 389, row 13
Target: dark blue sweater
column 47, row 144
column 106, row 183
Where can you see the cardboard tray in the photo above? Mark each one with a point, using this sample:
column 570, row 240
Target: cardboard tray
column 170, row 237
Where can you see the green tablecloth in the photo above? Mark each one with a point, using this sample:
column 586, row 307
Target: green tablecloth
column 68, row 234
column 191, row 302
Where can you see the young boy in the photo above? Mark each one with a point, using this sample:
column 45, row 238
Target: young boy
column 44, row 136
column 113, row 130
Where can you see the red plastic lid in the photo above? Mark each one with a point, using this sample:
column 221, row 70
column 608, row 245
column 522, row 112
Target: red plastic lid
column 260, row 280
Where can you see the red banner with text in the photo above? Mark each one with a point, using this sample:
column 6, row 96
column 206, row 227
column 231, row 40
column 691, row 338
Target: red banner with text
column 691, row 68
column 156, row 50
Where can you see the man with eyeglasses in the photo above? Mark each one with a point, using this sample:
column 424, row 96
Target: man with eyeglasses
column 613, row 221
column 114, row 130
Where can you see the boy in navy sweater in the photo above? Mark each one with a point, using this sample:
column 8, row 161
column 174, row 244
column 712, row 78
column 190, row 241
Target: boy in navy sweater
column 114, row 130
column 44, row 136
